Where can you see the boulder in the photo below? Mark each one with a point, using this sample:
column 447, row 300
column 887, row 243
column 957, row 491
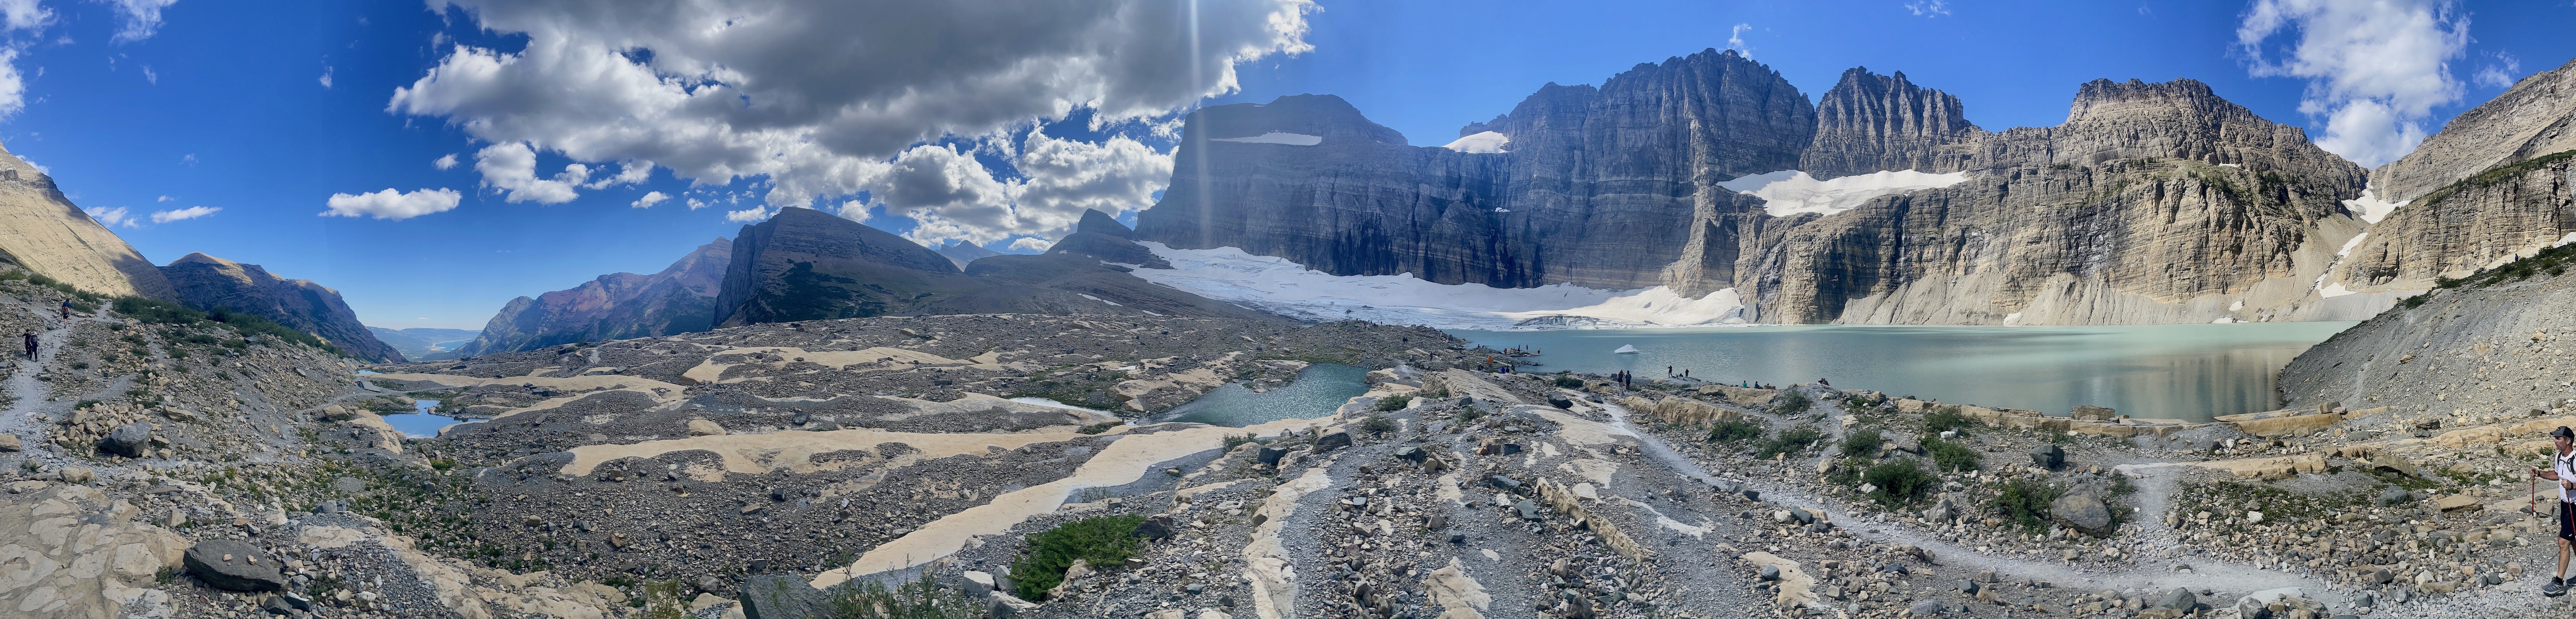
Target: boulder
column 1528, row 510
column 234, row 565
column 1270, row 455
column 2392, row 496
column 2177, row 599
column 1412, row 453
column 2092, row 413
column 978, row 583
column 2048, row 456
column 1925, row 608
column 782, row 596
column 76, row 475
column 2384, row 461
column 702, row 427
column 2082, row 511
column 2456, row 501
column 1155, row 528
column 129, row 440
column 1333, row 440
column 9, row 443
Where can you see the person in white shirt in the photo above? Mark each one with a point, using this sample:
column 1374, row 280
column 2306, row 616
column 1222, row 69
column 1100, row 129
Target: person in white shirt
column 2562, row 469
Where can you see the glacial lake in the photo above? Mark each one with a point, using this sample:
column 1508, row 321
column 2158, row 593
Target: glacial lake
column 1319, row 390
column 421, row 423
column 2191, row 372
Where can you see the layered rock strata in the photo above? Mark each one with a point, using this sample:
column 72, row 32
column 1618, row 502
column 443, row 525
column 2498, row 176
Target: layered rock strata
column 210, row 283
column 41, row 230
column 2152, row 203
column 680, row 298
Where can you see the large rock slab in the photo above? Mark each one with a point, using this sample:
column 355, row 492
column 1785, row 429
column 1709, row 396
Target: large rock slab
column 128, row 440
column 2083, row 512
column 235, row 565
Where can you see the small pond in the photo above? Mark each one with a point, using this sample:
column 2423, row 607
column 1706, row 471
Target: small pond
column 1319, row 390
column 421, row 423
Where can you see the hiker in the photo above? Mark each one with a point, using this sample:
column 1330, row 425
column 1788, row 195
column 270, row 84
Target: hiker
column 31, row 344
column 67, row 309
column 2562, row 469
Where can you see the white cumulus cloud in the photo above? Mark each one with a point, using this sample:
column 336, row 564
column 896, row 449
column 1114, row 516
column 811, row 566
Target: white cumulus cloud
column 138, row 19
column 444, row 161
column 749, row 215
column 394, row 205
column 25, row 15
column 512, row 167
column 2375, row 69
column 827, row 98
column 650, row 198
column 193, row 212
column 2500, row 73
column 111, row 216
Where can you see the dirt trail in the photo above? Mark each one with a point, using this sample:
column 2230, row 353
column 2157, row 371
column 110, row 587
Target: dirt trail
column 2147, row 574
column 30, row 396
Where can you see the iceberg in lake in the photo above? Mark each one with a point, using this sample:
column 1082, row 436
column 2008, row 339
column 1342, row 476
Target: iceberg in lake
column 1625, row 350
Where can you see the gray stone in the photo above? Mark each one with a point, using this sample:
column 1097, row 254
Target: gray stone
column 2177, row 599
column 2048, row 456
column 1529, row 510
column 2392, row 496
column 1504, row 483
column 9, row 443
column 234, row 565
column 1155, row 528
column 2083, row 511
column 782, row 596
column 1270, row 455
column 1412, row 453
column 1770, row 573
column 1926, row 608
column 1968, row 587
column 978, row 583
column 129, row 440
column 1332, row 440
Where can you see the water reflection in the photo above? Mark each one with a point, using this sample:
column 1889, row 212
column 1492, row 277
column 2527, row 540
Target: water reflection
column 1318, row 391
column 2151, row 371
column 421, row 423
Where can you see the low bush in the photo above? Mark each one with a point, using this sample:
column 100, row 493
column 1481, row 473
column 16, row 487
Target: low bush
column 1394, row 402
column 1947, row 418
column 921, row 599
column 1103, row 541
column 1569, row 382
column 2025, row 502
column 1788, row 441
column 1899, row 481
column 1377, row 424
column 1237, row 440
column 1863, row 443
column 1952, row 457
column 1735, row 430
column 1791, row 403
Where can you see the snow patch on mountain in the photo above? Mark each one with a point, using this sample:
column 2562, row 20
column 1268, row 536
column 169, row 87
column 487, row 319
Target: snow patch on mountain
column 1278, row 137
column 1790, row 192
column 1277, row 285
column 2370, row 209
column 1488, row 143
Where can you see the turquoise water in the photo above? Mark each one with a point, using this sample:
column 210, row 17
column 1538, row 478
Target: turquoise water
column 1319, row 390
column 421, row 424
column 2189, row 372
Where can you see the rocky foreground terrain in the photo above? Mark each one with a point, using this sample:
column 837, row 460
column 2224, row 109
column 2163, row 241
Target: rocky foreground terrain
column 1011, row 465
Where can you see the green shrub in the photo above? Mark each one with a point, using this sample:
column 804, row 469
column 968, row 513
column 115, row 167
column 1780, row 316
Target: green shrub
column 1104, row 541
column 1394, row 402
column 1569, row 382
column 1847, row 472
column 1377, row 424
column 1237, row 440
column 1863, row 443
column 1792, row 402
column 1950, row 456
column 1788, row 441
column 1899, row 481
column 921, row 599
column 2025, row 502
column 1947, row 418
column 1735, row 430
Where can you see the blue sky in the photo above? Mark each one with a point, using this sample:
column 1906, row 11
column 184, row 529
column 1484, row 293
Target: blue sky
column 897, row 113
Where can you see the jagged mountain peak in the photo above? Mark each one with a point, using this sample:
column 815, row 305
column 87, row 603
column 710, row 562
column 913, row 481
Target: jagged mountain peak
column 1097, row 222
column 2534, row 118
column 2103, row 98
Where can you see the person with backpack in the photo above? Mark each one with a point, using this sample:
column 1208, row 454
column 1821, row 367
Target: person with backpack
column 2562, row 469
column 31, row 344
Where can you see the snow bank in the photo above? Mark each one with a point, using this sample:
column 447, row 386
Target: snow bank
column 2370, row 209
column 1488, row 142
column 1789, row 192
column 1278, row 137
column 1278, row 285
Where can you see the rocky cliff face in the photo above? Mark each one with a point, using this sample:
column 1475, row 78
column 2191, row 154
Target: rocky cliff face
column 2152, row 203
column 1870, row 122
column 2534, row 118
column 40, row 229
column 1597, row 185
column 208, row 283
column 2497, row 348
column 679, row 299
column 806, row 265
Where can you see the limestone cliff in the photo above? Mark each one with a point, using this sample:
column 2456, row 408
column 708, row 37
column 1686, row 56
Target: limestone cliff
column 2152, row 203
column 803, row 264
column 210, row 283
column 40, row 229
column 1596, row 186
column 679, row 299
column 2534, row 118
column 2480, row 349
